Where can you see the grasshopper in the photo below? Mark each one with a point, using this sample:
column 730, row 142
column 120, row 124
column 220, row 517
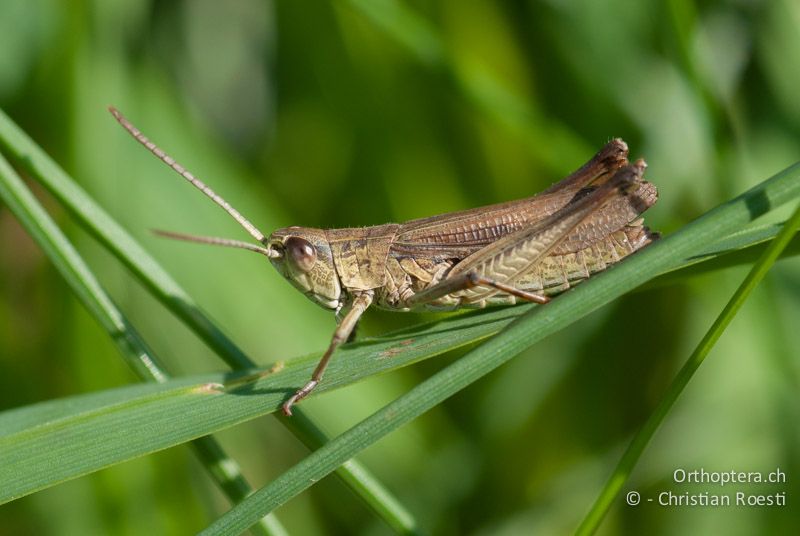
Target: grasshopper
column 528, row 250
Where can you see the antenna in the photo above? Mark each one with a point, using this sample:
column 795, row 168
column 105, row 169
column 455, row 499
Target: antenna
column 200, row 185
column 216, row 241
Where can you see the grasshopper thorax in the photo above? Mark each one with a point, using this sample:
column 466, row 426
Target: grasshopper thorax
column 304, row 258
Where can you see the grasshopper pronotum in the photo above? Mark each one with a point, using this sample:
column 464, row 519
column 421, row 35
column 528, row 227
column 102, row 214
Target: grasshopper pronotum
column 528, row 249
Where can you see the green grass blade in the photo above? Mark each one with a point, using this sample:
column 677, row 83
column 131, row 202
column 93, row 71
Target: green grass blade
column 146, row 269
column 381, row 501
column 740, row 248
column 519, row 335
column 634, row 451
column 113, row 237
column 47, row 443
column 36, row 456
column 78, row 276
column 228, row 475
column 222, row 469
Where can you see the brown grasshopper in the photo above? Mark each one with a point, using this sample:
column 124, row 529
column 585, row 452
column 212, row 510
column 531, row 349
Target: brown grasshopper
column 527, row 249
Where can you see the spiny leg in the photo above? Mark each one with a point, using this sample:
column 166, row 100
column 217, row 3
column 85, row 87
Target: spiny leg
column 475, row 280
column 360, row 304
column 467, row 281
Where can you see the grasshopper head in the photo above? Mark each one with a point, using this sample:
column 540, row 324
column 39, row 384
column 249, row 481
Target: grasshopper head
column 303, row 256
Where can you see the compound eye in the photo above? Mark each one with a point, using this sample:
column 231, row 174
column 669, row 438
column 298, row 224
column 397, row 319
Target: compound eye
column 301, row 252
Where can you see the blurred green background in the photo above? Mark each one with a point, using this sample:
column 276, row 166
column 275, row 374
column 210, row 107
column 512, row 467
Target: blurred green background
column 361, row 112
